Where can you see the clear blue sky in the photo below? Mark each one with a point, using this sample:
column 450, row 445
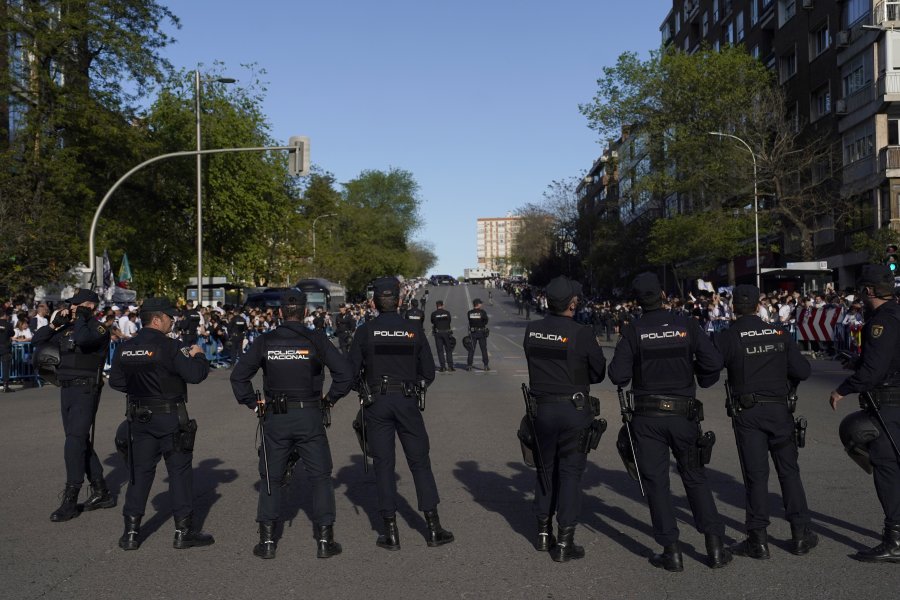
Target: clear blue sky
column 477, row 99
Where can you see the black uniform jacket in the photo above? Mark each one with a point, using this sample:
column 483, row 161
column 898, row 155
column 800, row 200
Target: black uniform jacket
column 760, row 358
column 83, row 344
column 392, row 346
column 141, row 364
column 291, row 358
column 880, row 360
column 656, row 326
column 563, row 356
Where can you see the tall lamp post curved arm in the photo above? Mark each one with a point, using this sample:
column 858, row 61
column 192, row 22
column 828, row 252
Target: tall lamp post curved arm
column 755, row 198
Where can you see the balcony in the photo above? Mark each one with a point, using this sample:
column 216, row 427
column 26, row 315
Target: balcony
column 889, row 87
column 889, row 161
column 861, row 97
column 887, row 14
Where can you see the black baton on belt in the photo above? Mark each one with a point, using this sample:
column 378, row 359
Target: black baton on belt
column 261, row 416
column 531, row 412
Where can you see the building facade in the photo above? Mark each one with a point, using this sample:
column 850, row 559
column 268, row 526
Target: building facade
column 494, row 242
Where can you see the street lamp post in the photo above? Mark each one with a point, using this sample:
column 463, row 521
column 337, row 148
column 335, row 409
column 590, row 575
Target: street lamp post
column 755, row 198
column 314, row 236
column 200, row 181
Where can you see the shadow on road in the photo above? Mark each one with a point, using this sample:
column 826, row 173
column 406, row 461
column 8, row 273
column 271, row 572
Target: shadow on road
column 359, row 488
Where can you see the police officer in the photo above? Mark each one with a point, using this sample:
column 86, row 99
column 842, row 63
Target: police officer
column 662, row 352
column 154, row 370
column 346, row 325
column 478, row 320
column 415, row 313
column 188, row 326
column 6, row 335
column 424, row 299
column 237, row 330
column 564, row 359
column 395, row 359
column 877, row 379
column 440, row 323
column 764, row 366
column 291, row 358
column 83, row 345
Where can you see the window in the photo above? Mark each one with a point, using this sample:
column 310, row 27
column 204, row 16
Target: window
column 788, row 66
column 705, row 23
column 793, row 117
column 687, row 43
column 729, row 33
column 754, row 12
column 854, row 78
column 893, row 132
column 859, row 143
column 855, row 10
column 786, row 11
column 819, row 41
column 739, row 26
column 821, row 102
column 715, row 18
column 717, row 46
column 754, row 52
column 677, row 22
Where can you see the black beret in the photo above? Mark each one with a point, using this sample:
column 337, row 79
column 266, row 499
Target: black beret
column 561, row 290
column 878, row 276
column 647, row 288
column 386, row 286
column 84, row 295
column 293, row 298
column 159, row 305
column 746, row 295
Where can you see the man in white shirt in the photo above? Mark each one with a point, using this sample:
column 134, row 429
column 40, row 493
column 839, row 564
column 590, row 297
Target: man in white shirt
column 786, row 312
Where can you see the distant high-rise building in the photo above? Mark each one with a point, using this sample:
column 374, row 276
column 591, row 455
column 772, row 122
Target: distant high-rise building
column 495, row 239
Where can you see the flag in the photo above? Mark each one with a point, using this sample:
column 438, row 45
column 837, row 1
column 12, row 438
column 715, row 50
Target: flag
column 108, row 280
column 125, row 269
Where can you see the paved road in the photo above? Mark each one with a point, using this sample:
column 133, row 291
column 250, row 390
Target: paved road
column 485, row 491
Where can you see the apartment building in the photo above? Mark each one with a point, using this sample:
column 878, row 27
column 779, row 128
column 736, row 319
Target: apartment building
column 494, row 242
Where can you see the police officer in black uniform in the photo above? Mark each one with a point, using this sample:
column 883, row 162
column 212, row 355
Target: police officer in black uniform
column 564, row 359
column 395, row 359
column 478, row 320
column 440, row 323
column 83, row 345
column 188, row 326
column 346, row 325
column 415, row 313
column 764, row 367
column 877, row 380
column 237, row 330
column 662, row 353
column 154, row 370
column 6, row 335
column 292, row 358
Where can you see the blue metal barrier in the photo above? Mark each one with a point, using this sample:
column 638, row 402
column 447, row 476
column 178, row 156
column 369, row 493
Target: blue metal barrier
column 20, row 367
column 109, row 356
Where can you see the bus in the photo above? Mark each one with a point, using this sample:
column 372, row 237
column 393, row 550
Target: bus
column 321, row 292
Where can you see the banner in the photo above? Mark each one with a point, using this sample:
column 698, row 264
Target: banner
column 817, row 324
column 125, row 269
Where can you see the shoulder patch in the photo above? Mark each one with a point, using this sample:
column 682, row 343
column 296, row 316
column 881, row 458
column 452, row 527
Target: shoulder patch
column 877, row 330
column 101, row 329
column 186, row 351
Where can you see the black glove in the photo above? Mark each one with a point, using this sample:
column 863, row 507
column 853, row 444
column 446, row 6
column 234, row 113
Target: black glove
column 83, row 312
column 59, row 319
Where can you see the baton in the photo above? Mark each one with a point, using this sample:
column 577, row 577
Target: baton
column 626, row 419
column 364, row 395
column 874, row 406
column 732, row 412
column 539, row 463
column 261, row 415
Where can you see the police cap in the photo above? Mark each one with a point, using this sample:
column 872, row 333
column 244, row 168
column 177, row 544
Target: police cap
column 293, row 298
column 560, row 292
column 879, row 277
column 746, row 295
column 414, row 302
column 647, row 290
column 84, row 295
column 476, row 302
column 159, row 305
column 385, row 287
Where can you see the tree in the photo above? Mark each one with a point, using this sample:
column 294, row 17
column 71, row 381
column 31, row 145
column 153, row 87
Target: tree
column 66, row 75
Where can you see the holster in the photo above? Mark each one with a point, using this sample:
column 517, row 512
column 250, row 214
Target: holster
column 699, row 454
column 526, row 441
column 420, row 391
column 595, row 405
column 277, row 404
column 359, row 430
column 590, row 437
column 800, row 432
column 695, row 413
column 792, row 400
column 183, row 439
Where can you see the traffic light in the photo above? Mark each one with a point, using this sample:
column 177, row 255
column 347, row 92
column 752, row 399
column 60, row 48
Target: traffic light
column 298, row 158
column 892, row 261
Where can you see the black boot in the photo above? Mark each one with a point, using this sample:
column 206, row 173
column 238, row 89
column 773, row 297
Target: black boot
column 266, row 546
column 669, row 559
column 717, row 555
column 755, row 546
column 888, row 551
column 186, row 537
column 802, row 540
column 326, row 546
column 7, row 389
column 545, row 538
column 565, row 548
column 437, row 535
column 69, row 507
column 390, row 539
column 100, row 497
column 130, row 539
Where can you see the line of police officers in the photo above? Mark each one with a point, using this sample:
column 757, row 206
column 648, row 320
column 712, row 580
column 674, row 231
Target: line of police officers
column 390, row 364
